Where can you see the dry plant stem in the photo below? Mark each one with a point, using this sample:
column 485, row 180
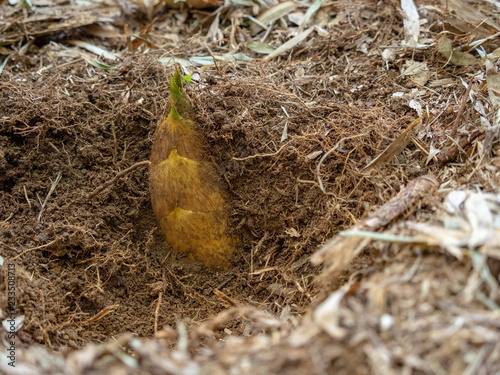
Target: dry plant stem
column 451, row 152
column 395, row 148
column 340, row 251
column 157, row 311
column 101, row 314
column 7, row 246
column 407, row 198
column 269, row 269
column 119, row 175
column 226, row 298
column 127, row 36
column 51, row 190
column 26, row 196
column 461, row 110
column 31, row 249
column 11, row 215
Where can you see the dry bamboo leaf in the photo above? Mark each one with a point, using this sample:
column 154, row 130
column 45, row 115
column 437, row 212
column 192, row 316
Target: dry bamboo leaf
column 214, row 32
column 394, row 148
column 477, row 20
column 99, row 51
column 262, row 48
column 97, row 63
column 442, row 82
column 495, row 55
column 411, row 23
column 493, row 82
column 272, row 14
column 57, row 19
column 104, row 31
column 239, row 58
column 452, row 56
column 312, row 9
column 150, row 6
column 289, row 45
column 418, row 71
column 171, row 61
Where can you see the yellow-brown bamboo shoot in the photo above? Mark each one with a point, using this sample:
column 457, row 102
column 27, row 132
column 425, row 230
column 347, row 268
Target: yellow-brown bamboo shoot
column 186, row 193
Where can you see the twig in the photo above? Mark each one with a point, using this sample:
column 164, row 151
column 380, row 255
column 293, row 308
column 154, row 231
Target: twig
column 127, row 36
column 340, row 251
column 226, row 298
column 8, row 246
column 51, row 190
column 118, row 175
column 157, row 310
column 461, row 110
column 451, row 152
column 101, row 314
column 256, row 249
column 33, row 248
column 10, row 217
column 268, row 269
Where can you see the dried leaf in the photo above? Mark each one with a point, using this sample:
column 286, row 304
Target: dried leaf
column 454, row 57
column 239, row 58
column 493, row 82
column 260, row 47
column 150, row 6
column 411, row 23
column 13, row 324
column 327, row 314
column 296, row 18
column 171, row 61
column 247, row 3
column 478, row 22
column 284, row 135
column 314, row 155
column 99, row 51
column 418, row 71
column 272, row 14
column 2, row 67
column 394, row 148
column 495, row 55
column 312, row 9
column 104, row 31
column 289, row 45
column 97, row 63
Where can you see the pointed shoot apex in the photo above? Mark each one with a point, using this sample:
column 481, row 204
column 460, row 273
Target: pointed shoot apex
column 177, row 95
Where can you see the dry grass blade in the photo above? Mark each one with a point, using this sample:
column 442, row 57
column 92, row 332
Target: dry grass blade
column 272, row 14
column 51, row 190
column 395, row 148
column 289, row 45
column 101, row 314
column 461, row 110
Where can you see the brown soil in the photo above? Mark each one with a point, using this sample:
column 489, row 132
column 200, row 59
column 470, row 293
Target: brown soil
column 91, row 269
